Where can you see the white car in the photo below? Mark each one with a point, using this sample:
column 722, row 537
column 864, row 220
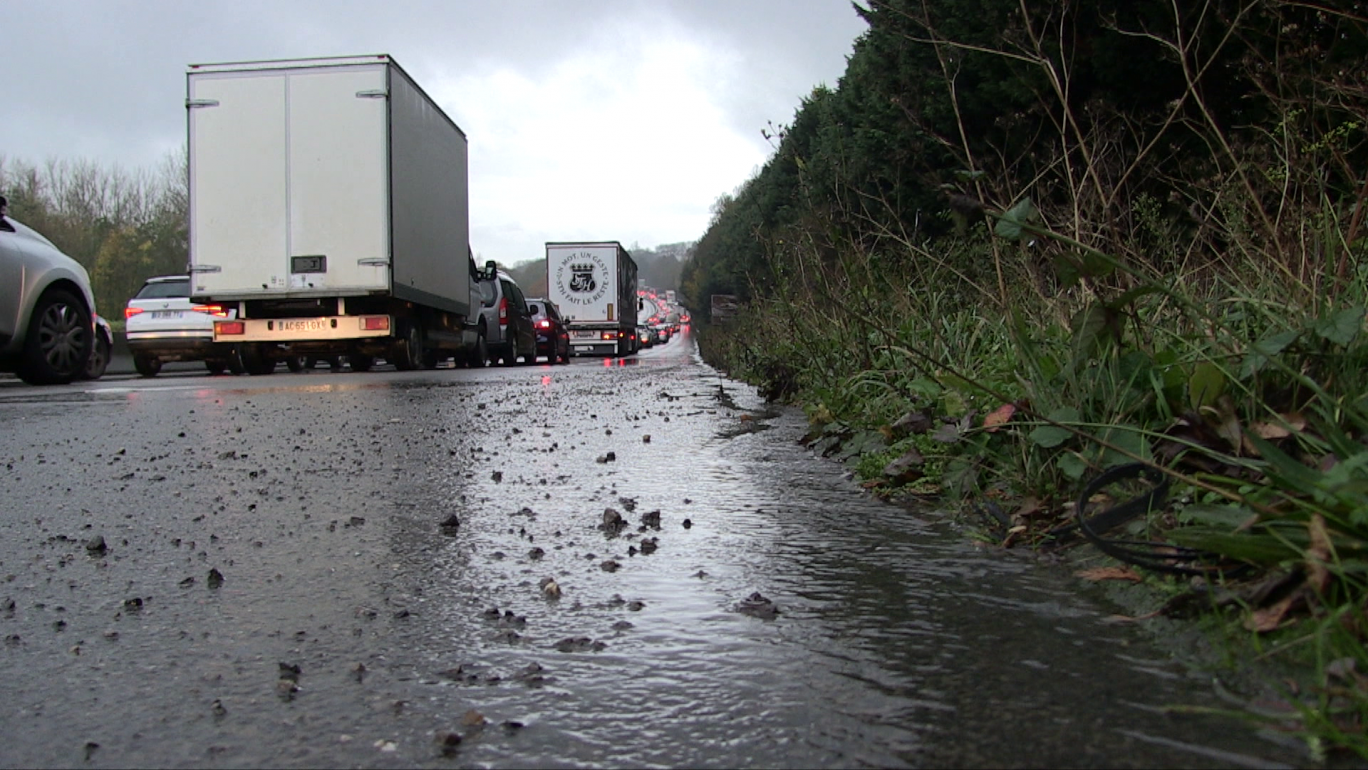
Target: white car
column 162, row 324
column 47, row 310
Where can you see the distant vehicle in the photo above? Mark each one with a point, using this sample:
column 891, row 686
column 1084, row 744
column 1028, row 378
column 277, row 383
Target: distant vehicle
column 553, row 339
column 47, row 310
column 595, row 286
column 505, row 321
column 162, row 324
column 646, row 336
column 356, row 237
column 100, row 351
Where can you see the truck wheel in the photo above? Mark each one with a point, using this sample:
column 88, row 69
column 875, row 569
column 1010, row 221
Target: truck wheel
column 216, row 366
column 147, row 366
column 254, row 360
column 409, row 350
column 60, row 336
column 479, row 357
column 361, row 363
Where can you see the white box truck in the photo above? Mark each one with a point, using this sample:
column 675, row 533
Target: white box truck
column 329, row 206
column 595, row 286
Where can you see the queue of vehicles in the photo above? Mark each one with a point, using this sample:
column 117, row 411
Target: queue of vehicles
column 352, row 246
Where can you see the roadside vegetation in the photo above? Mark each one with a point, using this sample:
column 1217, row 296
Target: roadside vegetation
column 1094, row 276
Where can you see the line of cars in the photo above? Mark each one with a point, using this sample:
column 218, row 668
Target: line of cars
column 163, row 324
column 50, row 332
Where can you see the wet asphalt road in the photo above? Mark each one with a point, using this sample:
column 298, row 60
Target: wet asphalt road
column 351, row 570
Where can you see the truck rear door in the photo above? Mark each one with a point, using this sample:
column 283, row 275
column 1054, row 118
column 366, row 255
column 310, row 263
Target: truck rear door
column 288, row 182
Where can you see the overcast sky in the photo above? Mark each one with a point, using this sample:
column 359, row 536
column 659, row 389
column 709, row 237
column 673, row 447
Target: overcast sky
column 587, row 119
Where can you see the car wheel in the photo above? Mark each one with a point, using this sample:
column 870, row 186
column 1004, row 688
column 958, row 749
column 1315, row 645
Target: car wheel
column 60, row 336
column 361, row 363
column 99, row 359
column 297, row 364
column 147, row 366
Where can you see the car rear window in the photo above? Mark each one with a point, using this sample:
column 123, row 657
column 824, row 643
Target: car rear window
column 164, row 290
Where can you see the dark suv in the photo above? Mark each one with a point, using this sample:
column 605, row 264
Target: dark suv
column 505, row 321
column 553, row 339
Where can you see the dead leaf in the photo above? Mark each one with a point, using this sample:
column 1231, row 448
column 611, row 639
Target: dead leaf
column 1269, row 431
column 1269, row 618
column 1318, row 554
column 998, row 417
column 1097, row 574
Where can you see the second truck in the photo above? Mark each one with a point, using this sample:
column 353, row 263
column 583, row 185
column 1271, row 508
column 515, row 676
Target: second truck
column 329, row 206
column 594, row 284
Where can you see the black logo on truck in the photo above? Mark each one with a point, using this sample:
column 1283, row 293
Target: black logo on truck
column 582, row 278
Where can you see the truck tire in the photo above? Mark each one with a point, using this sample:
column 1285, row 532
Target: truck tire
column 408, row 350
column 297, row 364
column 60, row 336
column 216, row 366
column 147, row 366
column 479, row 355
column 254, row 360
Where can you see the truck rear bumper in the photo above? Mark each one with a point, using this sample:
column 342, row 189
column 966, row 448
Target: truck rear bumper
column 284, row 330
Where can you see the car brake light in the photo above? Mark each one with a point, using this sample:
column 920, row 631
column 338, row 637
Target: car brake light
column 503, row 310
column 544, row 324
column 224, row 328
column 214, row 310
column 129, row 312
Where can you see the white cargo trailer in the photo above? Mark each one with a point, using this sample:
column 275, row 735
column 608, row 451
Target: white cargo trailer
column 595, row 286
column 328, row 204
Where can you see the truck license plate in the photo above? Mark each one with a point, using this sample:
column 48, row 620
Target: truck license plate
column 584, row 335
column 305, row 325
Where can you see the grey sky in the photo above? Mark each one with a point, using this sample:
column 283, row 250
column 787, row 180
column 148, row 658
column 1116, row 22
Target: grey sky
column 602, row 119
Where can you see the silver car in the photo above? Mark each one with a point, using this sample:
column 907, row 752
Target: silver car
column 47, row 310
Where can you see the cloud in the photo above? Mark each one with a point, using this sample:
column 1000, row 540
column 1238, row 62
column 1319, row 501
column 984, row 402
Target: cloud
column 614, row 119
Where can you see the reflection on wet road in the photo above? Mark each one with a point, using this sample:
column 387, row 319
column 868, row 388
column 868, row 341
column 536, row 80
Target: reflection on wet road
column 386, row 542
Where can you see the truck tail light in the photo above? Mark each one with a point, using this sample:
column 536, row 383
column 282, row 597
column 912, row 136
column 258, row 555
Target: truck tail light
column 503, row 310
column 609, row 336
column 375, row 323
column 227, row 328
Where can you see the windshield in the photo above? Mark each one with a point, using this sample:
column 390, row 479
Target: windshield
column 165, row 290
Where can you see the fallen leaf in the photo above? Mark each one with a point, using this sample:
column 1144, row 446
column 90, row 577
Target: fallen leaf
column 998, row 417
column 1318, row 554
column 1268, row 431
column 1269, row 618
column 1097, row 574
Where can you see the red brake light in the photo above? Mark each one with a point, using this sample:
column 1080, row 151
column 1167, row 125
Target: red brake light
column 544, row 324
column 503, row 310
column 129, row 312
column 214, row 310
column 223, row 328
column 375, row 323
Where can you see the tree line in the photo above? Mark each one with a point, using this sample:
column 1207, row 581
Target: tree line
column 1168, row 134
column 122, row 226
